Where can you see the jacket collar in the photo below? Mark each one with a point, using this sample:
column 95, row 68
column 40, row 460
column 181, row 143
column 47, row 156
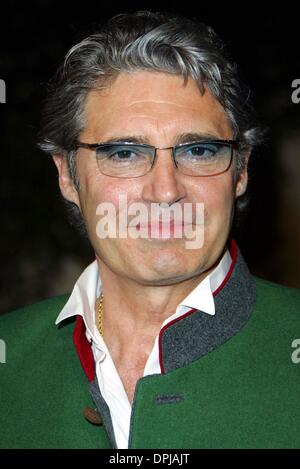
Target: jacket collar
column 195, row 334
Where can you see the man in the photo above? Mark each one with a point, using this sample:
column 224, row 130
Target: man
column 177, row 345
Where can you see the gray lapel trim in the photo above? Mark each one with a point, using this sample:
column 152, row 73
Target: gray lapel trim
column 197, row 334
column 103, row 410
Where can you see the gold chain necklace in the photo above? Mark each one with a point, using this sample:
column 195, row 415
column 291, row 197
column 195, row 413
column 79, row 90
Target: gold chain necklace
column 100, row 314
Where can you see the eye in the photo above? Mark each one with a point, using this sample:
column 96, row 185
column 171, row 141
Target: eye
column 202, row 150
column 118, row 153
column 122, row 155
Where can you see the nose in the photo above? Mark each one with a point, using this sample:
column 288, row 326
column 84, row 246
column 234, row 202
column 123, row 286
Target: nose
column 163, row 183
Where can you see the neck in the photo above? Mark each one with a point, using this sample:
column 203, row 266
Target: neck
column 143, row 308
column 133, row 314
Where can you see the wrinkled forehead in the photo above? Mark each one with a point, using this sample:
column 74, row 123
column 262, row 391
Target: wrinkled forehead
column 151, row 100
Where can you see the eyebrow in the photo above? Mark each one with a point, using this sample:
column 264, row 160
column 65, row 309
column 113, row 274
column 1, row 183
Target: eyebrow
column 181, row 138
column 196, row 137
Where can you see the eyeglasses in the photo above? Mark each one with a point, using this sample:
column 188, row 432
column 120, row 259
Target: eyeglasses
column 130, row 160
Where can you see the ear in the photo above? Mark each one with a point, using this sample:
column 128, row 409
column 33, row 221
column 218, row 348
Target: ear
column 65, row 183
column 242, row 180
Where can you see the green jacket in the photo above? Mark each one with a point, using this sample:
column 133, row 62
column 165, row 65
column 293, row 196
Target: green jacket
column 228, row 381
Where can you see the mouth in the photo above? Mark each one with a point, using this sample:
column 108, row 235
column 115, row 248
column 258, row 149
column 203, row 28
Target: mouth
column 162, row 230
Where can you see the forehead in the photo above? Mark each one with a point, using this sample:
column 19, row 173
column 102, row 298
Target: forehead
column 148, row 103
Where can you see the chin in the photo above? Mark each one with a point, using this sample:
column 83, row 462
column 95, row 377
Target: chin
column 170, row 265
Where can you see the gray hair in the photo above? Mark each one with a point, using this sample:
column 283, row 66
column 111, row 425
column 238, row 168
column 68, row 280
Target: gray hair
column 144, row 41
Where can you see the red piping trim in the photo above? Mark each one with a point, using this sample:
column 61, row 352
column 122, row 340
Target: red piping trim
column 233, row 252
column 233, row 249
column 83, row 348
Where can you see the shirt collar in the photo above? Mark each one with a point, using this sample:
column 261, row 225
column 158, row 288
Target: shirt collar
column 82, row 299
column 88, row 286
column 202, row 296
column 195, row 334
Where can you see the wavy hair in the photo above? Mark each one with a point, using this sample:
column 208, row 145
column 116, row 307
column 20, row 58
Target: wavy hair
column 149, row 41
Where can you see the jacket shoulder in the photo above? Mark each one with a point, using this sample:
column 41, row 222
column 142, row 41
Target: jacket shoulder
column 42, row 312
column 42, row 385
column 278, row 296
column 273, row 287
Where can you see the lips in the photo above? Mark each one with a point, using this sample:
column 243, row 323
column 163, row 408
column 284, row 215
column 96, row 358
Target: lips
column 161, row 229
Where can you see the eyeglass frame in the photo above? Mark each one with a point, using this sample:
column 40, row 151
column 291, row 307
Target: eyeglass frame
column 94, row 146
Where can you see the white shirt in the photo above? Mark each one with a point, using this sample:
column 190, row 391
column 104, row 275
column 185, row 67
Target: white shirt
column 82, row 302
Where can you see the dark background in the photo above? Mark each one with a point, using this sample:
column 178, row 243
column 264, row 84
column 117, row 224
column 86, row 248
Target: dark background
column 41, row 254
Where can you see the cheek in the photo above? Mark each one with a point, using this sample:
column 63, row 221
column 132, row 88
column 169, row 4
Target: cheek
column 217, row 194
column 96, row 189
column 220, row 198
